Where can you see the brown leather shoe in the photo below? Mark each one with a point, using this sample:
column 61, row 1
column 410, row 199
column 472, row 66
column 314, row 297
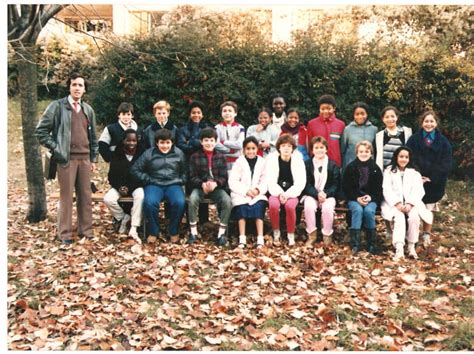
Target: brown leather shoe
column 174, row 239
column 311, row 239
column 151, row 239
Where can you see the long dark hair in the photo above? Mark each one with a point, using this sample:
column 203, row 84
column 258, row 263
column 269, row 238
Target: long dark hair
column 411, row 163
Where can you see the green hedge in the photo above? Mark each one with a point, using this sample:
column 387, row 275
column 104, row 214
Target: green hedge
column 247, row 75
column 179, row 69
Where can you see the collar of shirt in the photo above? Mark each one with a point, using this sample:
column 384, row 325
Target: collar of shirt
column 430, row 135
column 133, row 125
column 71, row 101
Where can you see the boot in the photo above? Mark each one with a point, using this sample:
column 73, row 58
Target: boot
column 311, row 239
column 327, row 239
column 354, row 240
column 371, row 237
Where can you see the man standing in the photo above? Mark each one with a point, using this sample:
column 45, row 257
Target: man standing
column 67, row 129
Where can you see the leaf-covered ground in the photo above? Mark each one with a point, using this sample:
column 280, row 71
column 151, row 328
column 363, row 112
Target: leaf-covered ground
column 111, row 294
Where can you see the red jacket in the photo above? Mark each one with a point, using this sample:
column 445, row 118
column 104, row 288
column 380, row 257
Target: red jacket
column 331, row 130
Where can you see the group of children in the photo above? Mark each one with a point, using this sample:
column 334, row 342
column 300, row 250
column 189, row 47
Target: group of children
column 279, row 162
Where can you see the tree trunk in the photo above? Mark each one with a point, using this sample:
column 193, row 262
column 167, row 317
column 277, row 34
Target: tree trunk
column 27, row 84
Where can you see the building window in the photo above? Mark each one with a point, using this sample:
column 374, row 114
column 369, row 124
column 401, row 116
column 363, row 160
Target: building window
column 74, row 25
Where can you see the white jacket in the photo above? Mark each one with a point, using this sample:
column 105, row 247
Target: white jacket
column 409, row 190
column 241, row 180
column 298, row 170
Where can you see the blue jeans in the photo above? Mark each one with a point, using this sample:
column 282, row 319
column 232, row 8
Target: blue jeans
column 174, row 195
column 360, row 213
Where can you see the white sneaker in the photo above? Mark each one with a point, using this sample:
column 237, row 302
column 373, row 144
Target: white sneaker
column 123, row 224
column 260, row 241
column 134, row 234
column 291, row 239
column 276, row 238
column 242, row 241
column 398, row 252
column 426, row 240
column 412, row 251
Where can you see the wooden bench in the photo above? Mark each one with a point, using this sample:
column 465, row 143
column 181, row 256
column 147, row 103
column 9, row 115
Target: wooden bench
column 98, row 197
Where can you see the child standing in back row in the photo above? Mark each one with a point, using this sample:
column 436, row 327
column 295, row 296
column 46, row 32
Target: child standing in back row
column 357, row 130
column 433, row 154
column 230, row 134
column 161, row 111
column 328, row 126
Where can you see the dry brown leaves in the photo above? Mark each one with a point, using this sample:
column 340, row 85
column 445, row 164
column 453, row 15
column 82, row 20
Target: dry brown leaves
column 111, row 294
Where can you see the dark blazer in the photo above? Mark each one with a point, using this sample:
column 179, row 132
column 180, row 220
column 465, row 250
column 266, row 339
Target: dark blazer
column 148, row 136
column 199, row 171
column 187, row 137
column 350, row 181
column 119, row 171
column 434, row 161
column 332, row 182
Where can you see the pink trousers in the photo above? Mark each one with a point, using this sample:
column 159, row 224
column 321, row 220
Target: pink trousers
column 327, row 214
column 290, row 210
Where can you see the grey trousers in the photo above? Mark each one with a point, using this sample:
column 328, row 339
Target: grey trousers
column 218, row 196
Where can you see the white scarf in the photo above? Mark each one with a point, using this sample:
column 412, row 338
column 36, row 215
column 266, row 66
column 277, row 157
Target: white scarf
column 278, row 122
column 320, row 178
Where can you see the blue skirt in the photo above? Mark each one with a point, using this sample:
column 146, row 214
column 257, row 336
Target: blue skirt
column 246, row 211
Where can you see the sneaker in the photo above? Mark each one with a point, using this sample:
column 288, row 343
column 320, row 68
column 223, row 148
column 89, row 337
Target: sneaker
column 398, row 252
column 115, row 224
column 260, row 241
column 134, row 234
column 412, row 251
column 191, row 239
column 426, row 240
column 123, row 224
column 242, row 241
column 222, row 241
column 291, row 239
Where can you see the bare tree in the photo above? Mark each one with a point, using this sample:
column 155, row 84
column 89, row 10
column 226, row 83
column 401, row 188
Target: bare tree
column 25, row 23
